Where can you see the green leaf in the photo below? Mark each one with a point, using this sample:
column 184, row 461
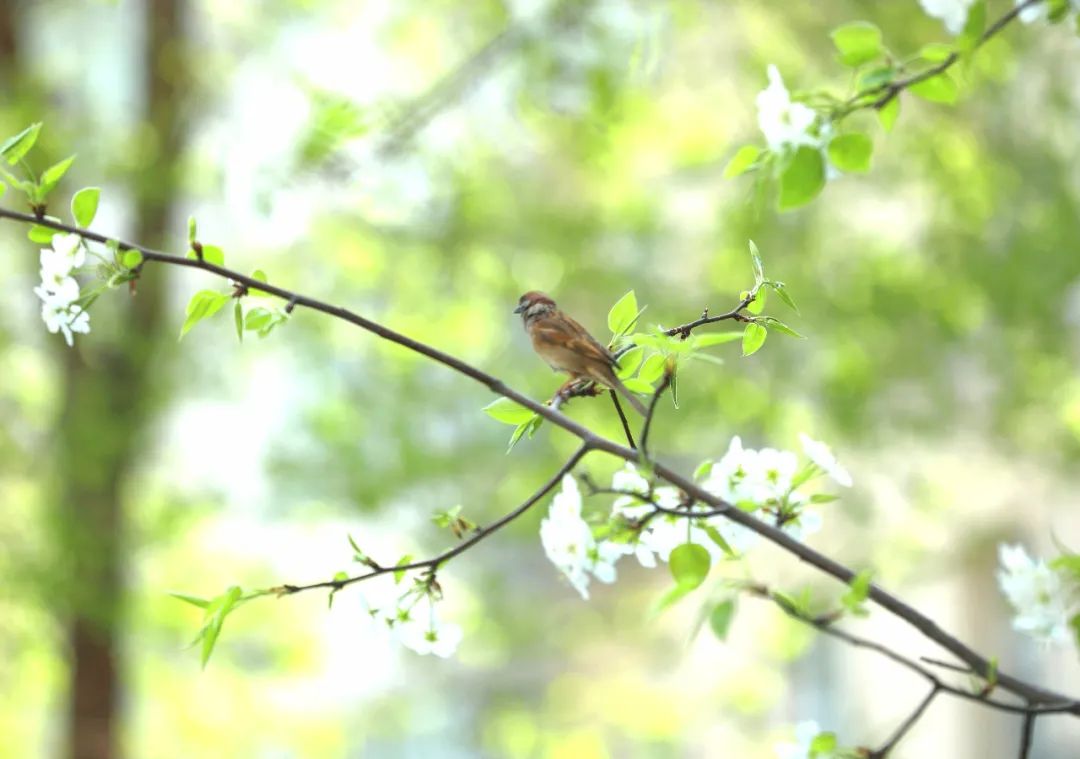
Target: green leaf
column 935, row 52
column 629, row 362
column 508, row 412
column 670, row 597
column 202, row 603
column 638, row 385
column 399, row 574
column 52, row 176
column 802, row 180
column 652, row 369
column 823, row 498
column 858, row 42
column 191, row 229
column 857, row 593
column 217, row 611
column 720, row 618
column 759, row 265
column 876, row 78
column 202, row 305
column 710, row 339
column 757, row 305
column 823, row 744
column 936, row 89
column 851, row 152
column 689, row 565
column 703, row 470
column 623, row 314
column 131, row 259
column 771, row 322
column 888, row 113
column 525, row 428
column 718, row 539
column 212, row 254
column 753, row 338
column 742, row 161
column 258, row 319
column 14, row 148
column 238, row 319
column 41, row 234
column 973, row 27
column 3, row 189
column 1074, row 623
column 84, row 205
column 781, row 290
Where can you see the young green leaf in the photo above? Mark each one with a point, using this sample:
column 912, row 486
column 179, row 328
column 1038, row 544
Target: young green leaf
column 41, row 234
column 399, row 574
column 84, row 205
column 771, row 322
column 781, row 291
column 937, row 89
column 759, row 265
column 935, row 52
column 14, row 148
column 857, row 593
column 973, row 27
column 689, row 564
column 851, row 152
column 623, row 314
column 858, row 42
column 216, row 612
column 525, row 428
column 715, row 338
column 508, row 412
column 212, row 254
column 131, row 259
column 238, row 320
column 638, row 385
column 52, row 176
column 742, row 161
column 718, row 539
column 802, row 180
column 720, row 618
column 876, row 77
column 629, row 362
column 202, row 305
column 652, row 369
column 191, row 229
column 202, row 603
column 823, row 745
column 888, row 113
column 753, row 338
column 757, row 305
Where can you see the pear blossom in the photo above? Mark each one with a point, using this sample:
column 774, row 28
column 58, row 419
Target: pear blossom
column 426, row 634
column 820, row 454
column 953, row 13
column 569, row 543
column 59, row 291
column 1044, row 599
column 784, row 123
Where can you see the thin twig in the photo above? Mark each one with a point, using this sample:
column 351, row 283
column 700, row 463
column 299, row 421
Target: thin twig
column 665, row 383
column 623, row 419
column 1027, row 734
column 906, row 725
column 480, row 534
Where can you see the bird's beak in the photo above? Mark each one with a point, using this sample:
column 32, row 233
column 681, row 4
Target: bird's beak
column 521, row 307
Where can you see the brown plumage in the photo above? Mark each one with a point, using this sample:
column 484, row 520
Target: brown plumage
column 566, row 346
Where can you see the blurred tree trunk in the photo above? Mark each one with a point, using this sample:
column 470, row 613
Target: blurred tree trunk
column 109, row 395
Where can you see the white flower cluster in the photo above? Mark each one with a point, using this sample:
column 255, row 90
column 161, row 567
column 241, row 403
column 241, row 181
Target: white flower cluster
column 1046, row 599
column 765, row 479
column 59, row 291
column 785, row 124
column 953, row 13
column 411, row 617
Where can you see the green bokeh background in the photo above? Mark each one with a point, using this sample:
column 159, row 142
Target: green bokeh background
column 582, row 155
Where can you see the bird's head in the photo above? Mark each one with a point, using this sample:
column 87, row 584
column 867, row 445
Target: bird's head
column 534, row 303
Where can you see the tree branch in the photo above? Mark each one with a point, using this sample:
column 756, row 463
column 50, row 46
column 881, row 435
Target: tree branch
column 592, row 441
column 622, row 418
column 1027, row 733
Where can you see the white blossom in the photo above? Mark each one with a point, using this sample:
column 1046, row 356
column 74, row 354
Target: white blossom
column 784, row 123
column 569, row 543
column 427, row 634
column 59, row 291
column 953, row 13
column 820, row 454
column 1044, row 599
column 747, row 475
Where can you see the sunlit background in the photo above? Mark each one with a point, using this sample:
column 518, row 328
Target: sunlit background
column 424, row 163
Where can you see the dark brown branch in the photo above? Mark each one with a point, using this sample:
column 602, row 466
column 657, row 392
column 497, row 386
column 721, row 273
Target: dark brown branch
column 665, row 383
column 1027, row 734
column 622, row 418
column 906, row 725
column 735, row 314
column 883, row 94
column 435, row 562
column 894, row 605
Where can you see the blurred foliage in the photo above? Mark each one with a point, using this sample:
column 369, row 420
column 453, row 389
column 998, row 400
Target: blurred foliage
column 583, row 156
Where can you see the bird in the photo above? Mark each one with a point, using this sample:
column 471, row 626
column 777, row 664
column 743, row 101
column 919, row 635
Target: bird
column 568, row 347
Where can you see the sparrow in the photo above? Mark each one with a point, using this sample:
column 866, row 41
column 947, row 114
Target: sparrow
column 566, row 346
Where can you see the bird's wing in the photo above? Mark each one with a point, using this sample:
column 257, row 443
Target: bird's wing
column 565, row 333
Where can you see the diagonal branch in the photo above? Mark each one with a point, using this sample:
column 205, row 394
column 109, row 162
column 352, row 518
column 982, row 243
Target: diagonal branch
column 894, row 605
